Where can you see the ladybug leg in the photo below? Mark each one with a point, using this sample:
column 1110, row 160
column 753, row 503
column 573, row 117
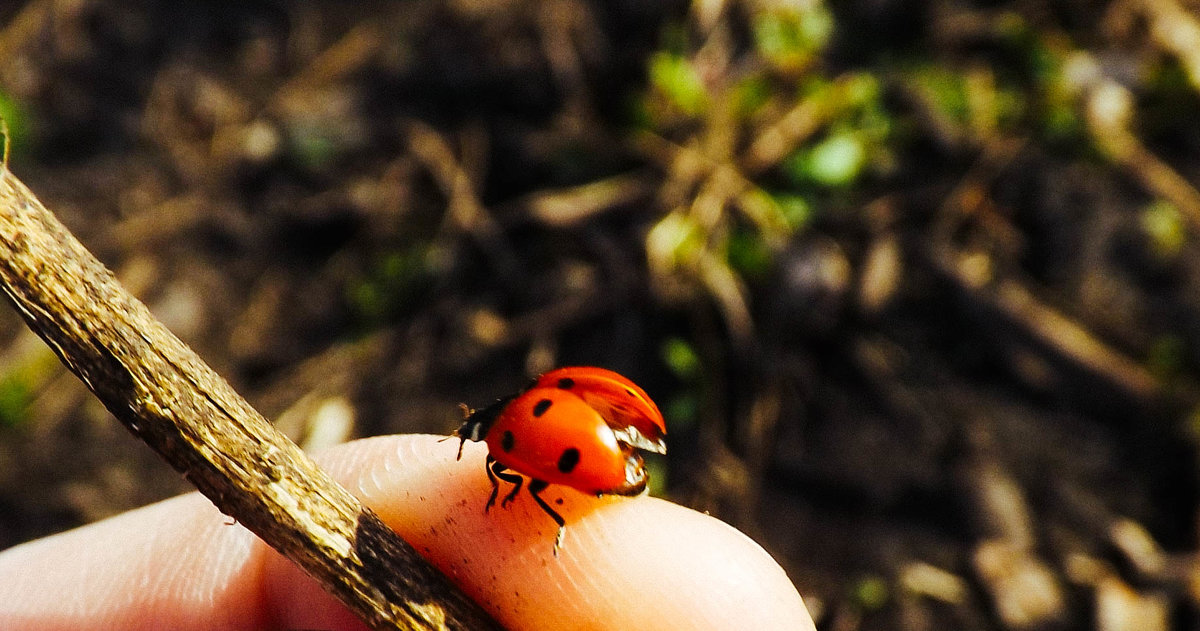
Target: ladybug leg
column 516, row 481
column 491, row 462
column 535, row 488
column 496, row 470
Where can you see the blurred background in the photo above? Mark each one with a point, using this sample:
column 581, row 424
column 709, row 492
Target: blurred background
column 916, row 283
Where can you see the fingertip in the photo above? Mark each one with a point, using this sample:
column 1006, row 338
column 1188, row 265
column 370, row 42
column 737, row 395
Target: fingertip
column 625, row 563
column 177, row 564
column 630, row 562
column 692, row 571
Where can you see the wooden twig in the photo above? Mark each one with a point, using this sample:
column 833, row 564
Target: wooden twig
column 169, row 398
column 1050, row 327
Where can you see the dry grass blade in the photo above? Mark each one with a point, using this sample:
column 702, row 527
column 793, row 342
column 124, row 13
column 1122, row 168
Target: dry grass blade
column 1049, row 326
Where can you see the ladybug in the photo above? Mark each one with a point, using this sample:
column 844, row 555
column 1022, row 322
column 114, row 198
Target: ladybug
column 578, row 426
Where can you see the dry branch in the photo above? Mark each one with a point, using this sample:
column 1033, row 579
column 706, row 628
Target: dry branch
column 169, row 398
column 1056, row 330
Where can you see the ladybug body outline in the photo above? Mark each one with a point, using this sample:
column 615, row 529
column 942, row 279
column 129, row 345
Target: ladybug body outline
column 576, row 426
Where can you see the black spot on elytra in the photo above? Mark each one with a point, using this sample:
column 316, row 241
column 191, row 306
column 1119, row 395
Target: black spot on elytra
column 541, row 407
column 630, row 393
column 566, row 383
column 507, row 441
column 568, row 460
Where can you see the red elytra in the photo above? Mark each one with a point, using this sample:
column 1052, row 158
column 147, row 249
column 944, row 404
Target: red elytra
column 621, row 403
column 578, row 426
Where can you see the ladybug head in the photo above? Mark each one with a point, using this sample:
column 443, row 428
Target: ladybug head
column 476, row 423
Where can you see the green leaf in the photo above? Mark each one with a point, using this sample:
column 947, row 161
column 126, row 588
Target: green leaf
column 681, row 358
column 748, row 254
column 676, row 79
column 1164, row 227
column 791, row 38
column 836, row 161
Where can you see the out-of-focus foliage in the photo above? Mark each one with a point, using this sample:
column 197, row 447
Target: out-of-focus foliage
column 914, row 283
column 823, row 165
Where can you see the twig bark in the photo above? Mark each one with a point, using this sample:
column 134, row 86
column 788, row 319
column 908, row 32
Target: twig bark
column 162, row 391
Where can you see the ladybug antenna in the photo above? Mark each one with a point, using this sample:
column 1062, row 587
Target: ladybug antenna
column 461, row 440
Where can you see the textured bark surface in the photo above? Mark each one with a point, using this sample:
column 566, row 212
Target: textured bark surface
column 168, row 397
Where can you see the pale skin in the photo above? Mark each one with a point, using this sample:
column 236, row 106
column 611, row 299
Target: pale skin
column 626, row 563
